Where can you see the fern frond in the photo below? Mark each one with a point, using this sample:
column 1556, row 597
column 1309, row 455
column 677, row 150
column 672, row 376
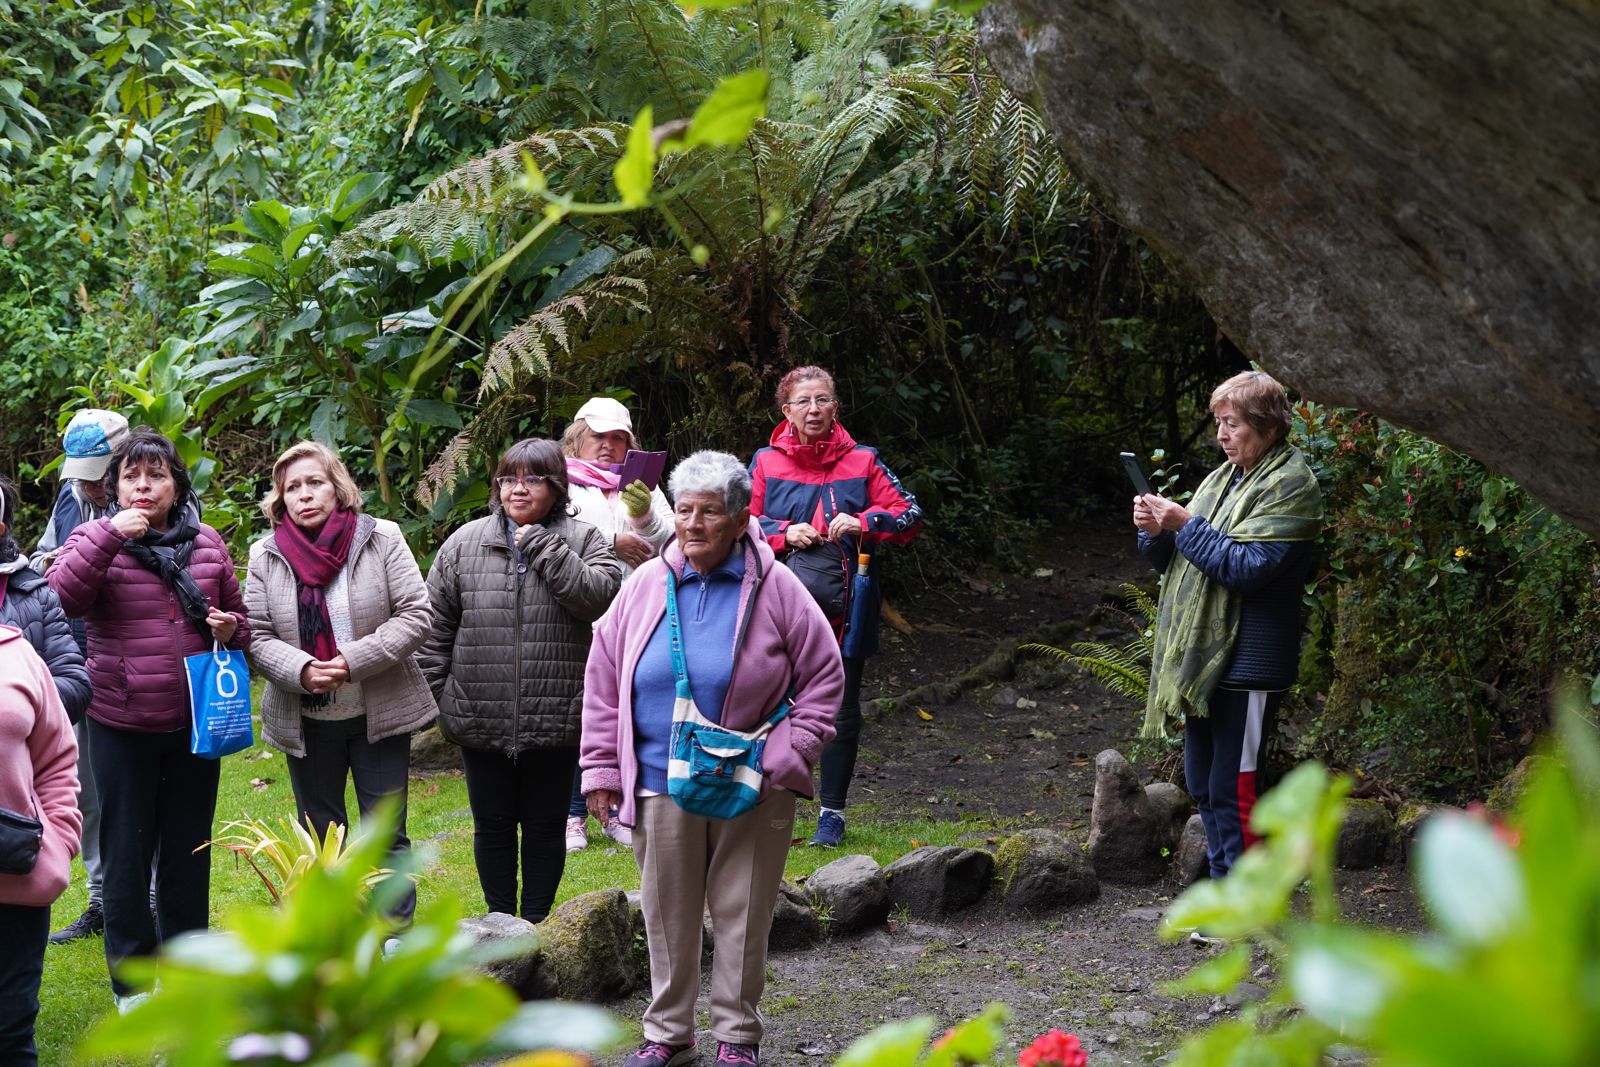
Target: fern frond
column 1004, row 154
column 840, row 217
column 440, row 229
column 532, row 344
column 646, row 53
column 444, row 472
column 478, row 180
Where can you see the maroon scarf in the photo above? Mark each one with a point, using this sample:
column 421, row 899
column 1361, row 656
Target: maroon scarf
column 315, row 565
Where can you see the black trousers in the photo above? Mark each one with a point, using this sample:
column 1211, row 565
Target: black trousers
column 839, row 755
column 23, row 931
column 157, row 799
column 337, row 749
column 529, row 791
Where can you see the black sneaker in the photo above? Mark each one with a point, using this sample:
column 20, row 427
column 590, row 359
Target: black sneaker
column 92, row 923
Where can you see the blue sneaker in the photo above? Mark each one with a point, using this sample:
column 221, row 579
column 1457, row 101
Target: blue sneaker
column 830, row 830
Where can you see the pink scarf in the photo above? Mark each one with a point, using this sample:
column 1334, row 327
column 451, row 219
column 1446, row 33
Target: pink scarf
column 582, row 472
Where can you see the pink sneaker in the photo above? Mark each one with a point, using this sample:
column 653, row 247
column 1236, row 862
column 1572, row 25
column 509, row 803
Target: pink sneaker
column 577, row 838
column 619, row 833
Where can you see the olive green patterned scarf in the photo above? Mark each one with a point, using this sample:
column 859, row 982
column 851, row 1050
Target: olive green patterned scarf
column 1197, row 622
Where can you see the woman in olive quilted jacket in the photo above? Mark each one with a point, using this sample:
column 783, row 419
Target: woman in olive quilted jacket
column 514, row 597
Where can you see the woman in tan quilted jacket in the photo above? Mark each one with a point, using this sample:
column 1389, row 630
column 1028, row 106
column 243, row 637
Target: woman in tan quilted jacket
column 338, row 607
column 514, row 596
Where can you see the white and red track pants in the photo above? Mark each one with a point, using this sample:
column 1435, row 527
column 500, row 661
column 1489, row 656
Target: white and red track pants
column 1223, row 754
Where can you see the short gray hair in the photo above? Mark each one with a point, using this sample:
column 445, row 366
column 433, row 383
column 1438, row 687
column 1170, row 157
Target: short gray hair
column 712, row 472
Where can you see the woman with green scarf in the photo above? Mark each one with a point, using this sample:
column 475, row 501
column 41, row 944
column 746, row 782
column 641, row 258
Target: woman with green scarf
column 1227, row 640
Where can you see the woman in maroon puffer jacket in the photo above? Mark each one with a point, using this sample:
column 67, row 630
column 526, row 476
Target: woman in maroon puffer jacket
column 153, row 584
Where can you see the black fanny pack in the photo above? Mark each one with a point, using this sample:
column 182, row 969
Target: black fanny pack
column 825, row 573
column 20, row 836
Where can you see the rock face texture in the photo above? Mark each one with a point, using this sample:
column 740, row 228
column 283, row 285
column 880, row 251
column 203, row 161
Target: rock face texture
column 587, row 949
column 1124, row 835
column 1394, row 207
column 934, row 882
column 1041, row 870
column 855, row 893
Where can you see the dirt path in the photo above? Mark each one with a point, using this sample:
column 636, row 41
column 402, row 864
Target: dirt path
column 1016, row 752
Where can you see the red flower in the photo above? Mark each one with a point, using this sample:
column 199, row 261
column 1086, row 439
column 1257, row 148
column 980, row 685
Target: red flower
column 1055, row 1049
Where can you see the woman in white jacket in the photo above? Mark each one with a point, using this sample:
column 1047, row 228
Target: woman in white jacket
column 636, row 519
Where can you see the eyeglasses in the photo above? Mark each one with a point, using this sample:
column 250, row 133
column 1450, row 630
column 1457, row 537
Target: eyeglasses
column 508, row 482
column 812, row 402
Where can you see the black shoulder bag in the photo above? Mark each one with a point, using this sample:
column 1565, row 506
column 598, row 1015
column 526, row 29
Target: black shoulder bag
column 20, row 836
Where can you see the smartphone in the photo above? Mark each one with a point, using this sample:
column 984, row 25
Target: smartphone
column 1130, row 463
column 645, row 467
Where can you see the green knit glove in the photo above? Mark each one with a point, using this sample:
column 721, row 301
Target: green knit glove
column 636, row 498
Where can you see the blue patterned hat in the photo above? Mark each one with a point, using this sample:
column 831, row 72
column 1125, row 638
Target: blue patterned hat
column 90, row 438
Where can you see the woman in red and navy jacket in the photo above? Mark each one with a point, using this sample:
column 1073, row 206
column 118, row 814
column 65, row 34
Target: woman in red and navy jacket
column 814, row 486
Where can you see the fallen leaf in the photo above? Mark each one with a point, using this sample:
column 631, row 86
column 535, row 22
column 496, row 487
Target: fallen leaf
column 1043, row 572
column 1024, row 702
column 1029, row 814
column 258, row 784
column 1042, row 735
column 924, row 715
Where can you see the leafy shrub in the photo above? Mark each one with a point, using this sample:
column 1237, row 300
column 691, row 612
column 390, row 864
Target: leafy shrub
column 1503, row 978
column 1449, row 604
column 321, row 980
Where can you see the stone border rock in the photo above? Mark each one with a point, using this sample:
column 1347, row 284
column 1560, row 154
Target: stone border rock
column 592, row 947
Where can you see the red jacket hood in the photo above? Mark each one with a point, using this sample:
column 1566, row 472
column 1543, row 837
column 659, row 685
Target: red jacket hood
column 821, row 455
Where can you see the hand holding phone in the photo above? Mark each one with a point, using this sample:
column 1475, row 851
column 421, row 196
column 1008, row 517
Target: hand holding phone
column 1141, row 485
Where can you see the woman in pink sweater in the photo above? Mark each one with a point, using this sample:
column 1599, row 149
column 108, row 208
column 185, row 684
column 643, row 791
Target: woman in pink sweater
column 739, row 636
column 38, row 777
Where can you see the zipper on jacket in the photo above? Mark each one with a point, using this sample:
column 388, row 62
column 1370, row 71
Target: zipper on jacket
column 521, row 564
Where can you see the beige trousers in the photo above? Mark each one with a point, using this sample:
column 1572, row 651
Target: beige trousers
column 731, row 867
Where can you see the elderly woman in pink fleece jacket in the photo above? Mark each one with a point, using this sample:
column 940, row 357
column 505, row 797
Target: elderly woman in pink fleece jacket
column 749, row 636
column 39, row 778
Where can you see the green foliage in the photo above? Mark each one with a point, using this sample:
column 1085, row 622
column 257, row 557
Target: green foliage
column 856, row 113
column 320, row 980
column 1506, row 964
column 904, row 1043
column 282, row 857
column 1124, row 670
column 1449, row 602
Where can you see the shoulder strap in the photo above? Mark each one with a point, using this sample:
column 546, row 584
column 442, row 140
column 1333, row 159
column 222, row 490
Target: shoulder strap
column 675, row 632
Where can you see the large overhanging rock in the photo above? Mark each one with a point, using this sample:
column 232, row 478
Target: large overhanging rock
column 1392, row 206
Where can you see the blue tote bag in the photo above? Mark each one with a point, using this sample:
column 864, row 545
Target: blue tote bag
column 712, row 770
column 219, row 693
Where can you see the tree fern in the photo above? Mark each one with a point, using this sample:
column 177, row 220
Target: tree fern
column 866, row 103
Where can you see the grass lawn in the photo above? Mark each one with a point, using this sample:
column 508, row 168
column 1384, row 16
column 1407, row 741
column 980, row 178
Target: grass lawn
column 76, row 991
